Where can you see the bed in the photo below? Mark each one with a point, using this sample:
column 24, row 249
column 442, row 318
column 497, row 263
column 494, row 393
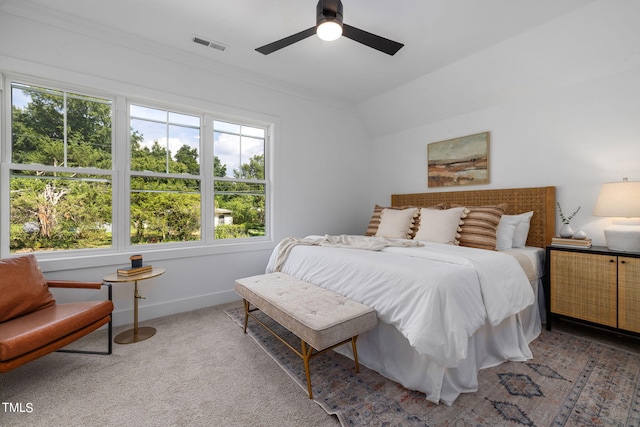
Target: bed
column 445, row 311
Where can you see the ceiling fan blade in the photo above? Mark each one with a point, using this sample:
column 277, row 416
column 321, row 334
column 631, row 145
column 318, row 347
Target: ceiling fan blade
column 380, row 43
column 277, row 45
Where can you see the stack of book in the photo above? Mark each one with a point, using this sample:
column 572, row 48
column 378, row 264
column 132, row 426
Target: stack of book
column 569, row 242
column 131, row 271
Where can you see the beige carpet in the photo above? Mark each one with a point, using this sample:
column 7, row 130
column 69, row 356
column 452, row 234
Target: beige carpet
column 198, row 370
column 201, row 370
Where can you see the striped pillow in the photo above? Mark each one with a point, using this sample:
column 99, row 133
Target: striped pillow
column 374, row 222
column 479, row 228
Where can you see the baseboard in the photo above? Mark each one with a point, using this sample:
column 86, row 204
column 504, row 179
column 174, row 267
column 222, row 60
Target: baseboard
column 152, row 311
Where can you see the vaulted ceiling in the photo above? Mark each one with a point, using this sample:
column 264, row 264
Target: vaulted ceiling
column 435, row 33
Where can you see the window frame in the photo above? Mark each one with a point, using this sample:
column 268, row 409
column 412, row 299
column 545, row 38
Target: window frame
column 129, row 174
column 121, row 177
column 6, row 164
column 265, row 181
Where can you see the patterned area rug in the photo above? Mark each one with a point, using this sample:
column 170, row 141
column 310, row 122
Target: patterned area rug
column 570, row 382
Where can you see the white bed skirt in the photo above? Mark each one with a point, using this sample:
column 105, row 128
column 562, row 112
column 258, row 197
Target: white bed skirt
column 385, row 350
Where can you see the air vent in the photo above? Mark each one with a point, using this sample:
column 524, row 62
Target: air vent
column 214, row 45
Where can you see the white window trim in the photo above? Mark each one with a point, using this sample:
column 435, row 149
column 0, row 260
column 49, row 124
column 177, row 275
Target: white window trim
column 121, row 248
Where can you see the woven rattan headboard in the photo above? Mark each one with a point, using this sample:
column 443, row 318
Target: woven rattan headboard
column 540, row 200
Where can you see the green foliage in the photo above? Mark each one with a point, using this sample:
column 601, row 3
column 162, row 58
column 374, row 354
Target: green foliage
column 566, row 219
column 188, row 157
column 38, row 131
column 253, row 170
column 164, row 211
column 218, row 168
column 59, row 213
column 230, row 231
column 52, row 211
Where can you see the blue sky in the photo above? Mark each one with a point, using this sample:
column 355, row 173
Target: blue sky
column 173, row 130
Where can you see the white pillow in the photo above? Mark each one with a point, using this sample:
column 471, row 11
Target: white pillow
column 440, row 226
column 505, row 231
column 522, row 230
column 396, row 223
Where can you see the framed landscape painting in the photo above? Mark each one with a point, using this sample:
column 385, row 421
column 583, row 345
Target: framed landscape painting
column 458, row 161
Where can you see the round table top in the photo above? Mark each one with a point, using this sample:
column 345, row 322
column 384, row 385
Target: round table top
column 115, row 277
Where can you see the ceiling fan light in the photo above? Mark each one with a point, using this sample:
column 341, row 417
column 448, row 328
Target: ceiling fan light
column 329, row 30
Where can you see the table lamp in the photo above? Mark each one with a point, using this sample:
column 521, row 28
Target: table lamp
column 621, row 200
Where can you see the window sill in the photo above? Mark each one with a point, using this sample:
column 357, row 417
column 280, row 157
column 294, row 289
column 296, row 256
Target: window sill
column 65, row 263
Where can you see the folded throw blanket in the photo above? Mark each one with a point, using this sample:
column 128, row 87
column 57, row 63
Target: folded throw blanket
column 369, row 243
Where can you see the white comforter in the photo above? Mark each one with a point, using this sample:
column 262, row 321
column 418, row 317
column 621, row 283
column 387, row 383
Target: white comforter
column 436, row 295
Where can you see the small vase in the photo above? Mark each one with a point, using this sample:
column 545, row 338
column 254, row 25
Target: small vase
column 580, row 235
column 566, row 231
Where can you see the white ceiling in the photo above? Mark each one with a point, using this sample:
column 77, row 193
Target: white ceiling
column 435, row 33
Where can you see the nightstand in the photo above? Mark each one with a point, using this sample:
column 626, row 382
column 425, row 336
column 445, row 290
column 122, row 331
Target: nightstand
column 594, row 285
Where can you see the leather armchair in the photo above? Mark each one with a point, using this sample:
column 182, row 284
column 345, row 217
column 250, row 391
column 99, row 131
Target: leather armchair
column 32, row 324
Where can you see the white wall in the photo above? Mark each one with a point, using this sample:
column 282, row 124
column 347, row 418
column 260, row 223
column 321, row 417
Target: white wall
column 316, row 145
column 562, row 103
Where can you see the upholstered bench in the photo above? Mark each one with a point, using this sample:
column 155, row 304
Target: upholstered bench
column 321, row 319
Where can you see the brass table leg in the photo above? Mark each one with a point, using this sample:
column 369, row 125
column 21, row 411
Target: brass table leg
column 246, row 314
column 136, row 334
column 307, row 350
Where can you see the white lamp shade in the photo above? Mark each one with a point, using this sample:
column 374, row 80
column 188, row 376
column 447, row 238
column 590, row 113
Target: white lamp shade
column 329, row 30
column 621, row 200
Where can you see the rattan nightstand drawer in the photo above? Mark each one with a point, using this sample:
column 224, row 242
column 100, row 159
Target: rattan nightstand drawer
column 629, row 293
column 596, row 285
column 583, row 286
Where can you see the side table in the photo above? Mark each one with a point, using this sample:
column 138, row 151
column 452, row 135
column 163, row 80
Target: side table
column 597, row 285
column 136, row 334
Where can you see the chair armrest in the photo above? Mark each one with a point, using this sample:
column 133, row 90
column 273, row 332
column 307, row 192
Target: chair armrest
column 73, row 284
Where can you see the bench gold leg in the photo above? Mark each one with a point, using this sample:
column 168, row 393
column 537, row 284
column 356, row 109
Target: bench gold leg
column 306, row 355
column 355, row 353
column 307, row 352
column 246, row 315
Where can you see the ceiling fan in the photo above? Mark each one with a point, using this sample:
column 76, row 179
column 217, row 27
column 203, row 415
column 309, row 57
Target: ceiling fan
column 329, row 26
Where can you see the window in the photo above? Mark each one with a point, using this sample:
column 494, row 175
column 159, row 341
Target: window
column 60, row 180
column 181, row 178
column 165, row 176
column 240, row 187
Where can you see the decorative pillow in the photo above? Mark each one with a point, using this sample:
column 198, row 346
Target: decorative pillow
column 440, row 226
column 479, row 228
column 23, row 288
column 505, row 231
column 522, row 230
column 374, row 222
column 397, row 223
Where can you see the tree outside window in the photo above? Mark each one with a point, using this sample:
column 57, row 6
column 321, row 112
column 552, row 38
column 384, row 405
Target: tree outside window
column 56, row 136
column 62, row 167
column 239, row 179
column 165, row 176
